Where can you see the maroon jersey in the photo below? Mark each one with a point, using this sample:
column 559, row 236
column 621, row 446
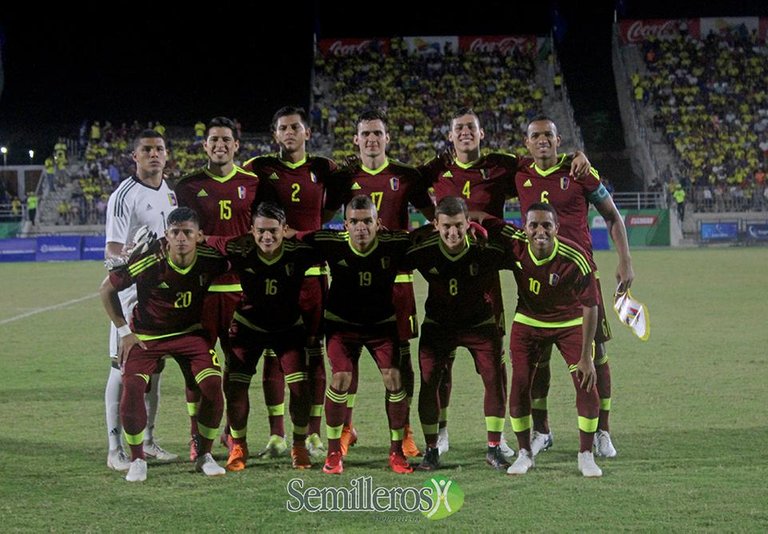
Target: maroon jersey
column 222, row 202
column 569, row 197
column 170, row 299
column 484, row 184
column 361, row 284
column 552, row 291
column 298, row 187
column 461, row 285
column 271, row 288
column 391, row 187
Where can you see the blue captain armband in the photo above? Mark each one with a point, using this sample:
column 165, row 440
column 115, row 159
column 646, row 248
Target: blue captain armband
column 599, row 194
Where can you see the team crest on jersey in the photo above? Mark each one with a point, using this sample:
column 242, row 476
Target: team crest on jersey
column 554, row 278
column 241, row 192
column 474, row 268
column 204, row 280
column 484, row 174
column 394, row 183
column 564, row 183
column 172, row 199
column 289, row 269
column 385, row 262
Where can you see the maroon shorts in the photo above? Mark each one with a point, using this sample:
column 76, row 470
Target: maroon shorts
column 314, row 290
column 404, row 302
column 437, row 343
column 527, row 344
column 247, row 345
column 344, row 346
column 218, row 309
column 191, row 351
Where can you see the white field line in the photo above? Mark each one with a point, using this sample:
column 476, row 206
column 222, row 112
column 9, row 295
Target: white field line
column 48, row 308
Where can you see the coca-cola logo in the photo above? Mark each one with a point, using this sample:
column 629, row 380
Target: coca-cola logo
column 641, row 30
column 339, row 48
column 504, row 45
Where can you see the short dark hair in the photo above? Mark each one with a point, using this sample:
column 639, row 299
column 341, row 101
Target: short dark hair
column 222, row 122
column 269, row 210
column 183, row 214
column 542, row 206
column 451, row 206
column 290, row 110
column 147, row 134
column 540, row 118
column 373, row 115
column 464, row 111
column 360, row 202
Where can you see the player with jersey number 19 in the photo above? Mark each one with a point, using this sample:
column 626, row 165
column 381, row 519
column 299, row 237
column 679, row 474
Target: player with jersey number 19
column 391, row 186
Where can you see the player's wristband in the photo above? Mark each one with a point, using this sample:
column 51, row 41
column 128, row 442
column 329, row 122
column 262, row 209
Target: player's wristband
column 124, row 330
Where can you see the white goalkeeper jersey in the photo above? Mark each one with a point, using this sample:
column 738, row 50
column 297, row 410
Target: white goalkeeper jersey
column 134, row 204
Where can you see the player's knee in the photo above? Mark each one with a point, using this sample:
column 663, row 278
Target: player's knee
column 341, row 381
column 210, row 386
column 392, row 379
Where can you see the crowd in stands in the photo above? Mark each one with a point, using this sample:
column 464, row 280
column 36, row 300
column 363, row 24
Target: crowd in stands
column 710, row 99
column 419, row 92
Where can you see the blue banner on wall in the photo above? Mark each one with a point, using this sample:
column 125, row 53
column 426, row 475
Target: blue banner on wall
column 58, row 248
column 714, row 231
column 757, row 231
column 93, row 247
column 18, row 249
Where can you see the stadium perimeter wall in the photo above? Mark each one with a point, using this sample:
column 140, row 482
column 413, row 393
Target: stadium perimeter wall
column 644, row 228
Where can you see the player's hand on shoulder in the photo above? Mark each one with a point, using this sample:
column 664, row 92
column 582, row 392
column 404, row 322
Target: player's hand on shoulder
column 244, row 244
column 350, row 164
column 446, row 157
column 580, row 165
column 478, row 233
column 420, row 234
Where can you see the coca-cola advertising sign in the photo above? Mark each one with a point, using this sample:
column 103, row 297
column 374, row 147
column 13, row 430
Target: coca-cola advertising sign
column 503, row 44
column 638, row 31
column 351, row 47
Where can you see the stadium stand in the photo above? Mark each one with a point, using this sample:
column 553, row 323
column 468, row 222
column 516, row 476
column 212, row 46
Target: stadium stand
column 698, row 108
column 420, row 81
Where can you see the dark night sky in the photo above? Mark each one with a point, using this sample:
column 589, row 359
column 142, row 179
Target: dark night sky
column 149, row 64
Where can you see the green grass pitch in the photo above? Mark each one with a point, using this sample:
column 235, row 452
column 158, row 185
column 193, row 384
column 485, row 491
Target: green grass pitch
column 689, row 421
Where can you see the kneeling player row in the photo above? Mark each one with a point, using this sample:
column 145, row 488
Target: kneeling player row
column 557, row 304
